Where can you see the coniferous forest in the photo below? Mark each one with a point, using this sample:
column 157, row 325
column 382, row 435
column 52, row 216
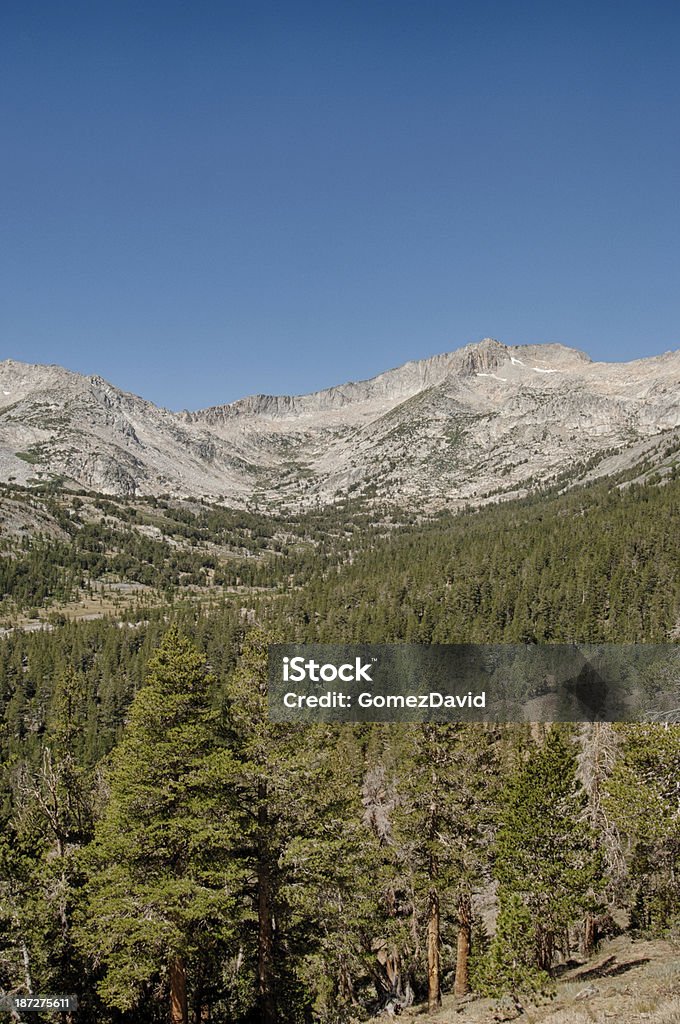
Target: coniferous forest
column 167, row 853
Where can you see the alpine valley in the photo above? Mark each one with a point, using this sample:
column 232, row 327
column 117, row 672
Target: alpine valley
column 168, row 853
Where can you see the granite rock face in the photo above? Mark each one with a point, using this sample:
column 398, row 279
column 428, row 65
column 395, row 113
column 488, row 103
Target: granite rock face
column 467, row 426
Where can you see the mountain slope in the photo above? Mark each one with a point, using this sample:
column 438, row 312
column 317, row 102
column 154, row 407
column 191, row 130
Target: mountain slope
column 458, row 427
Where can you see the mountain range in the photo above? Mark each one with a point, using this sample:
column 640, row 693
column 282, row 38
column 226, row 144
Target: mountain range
column 465, row 427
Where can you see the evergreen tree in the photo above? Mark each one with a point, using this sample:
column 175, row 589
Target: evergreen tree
column 164, row 883
column 597, row 758
column 443, row 827
column 51, row 823
column 306, row 849
column 642, row 798
column 509, row 966
column 546, row 860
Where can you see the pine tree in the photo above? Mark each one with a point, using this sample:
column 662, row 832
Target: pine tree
column 447, row 789
column 509, row 965
column 51, row 823
column 642, row 798
column 163, row 879
column 306, row 849
column 546, row 861
column 599, row 742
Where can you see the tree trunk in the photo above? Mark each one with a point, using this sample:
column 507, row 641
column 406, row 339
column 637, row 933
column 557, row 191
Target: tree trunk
column 201, row 1004
column 25, row 956
column 179, row 1013
column 462, row 983
column 589, row 934
column 434, row 990
column 545, row 948
column 265, row 931
column 434, row 993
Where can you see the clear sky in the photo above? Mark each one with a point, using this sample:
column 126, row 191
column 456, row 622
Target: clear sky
column 202, row 200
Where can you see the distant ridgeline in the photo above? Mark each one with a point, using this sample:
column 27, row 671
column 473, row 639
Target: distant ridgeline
column 460, row 427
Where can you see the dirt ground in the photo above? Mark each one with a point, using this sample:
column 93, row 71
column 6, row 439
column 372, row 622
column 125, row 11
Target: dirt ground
column 626, row 982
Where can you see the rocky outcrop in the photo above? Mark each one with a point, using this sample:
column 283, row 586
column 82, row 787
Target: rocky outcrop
column 486, row 357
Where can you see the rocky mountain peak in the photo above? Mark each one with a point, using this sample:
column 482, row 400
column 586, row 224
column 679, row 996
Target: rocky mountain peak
column 483, row 357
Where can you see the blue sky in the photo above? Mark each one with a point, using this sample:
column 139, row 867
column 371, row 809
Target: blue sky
column 204, row 200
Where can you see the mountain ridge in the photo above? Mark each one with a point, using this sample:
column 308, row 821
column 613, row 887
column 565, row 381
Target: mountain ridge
column 471, row 357
column 466, row 425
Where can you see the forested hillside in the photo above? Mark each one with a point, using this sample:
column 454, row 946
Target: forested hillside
column 594, row 565
column 166, row 850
